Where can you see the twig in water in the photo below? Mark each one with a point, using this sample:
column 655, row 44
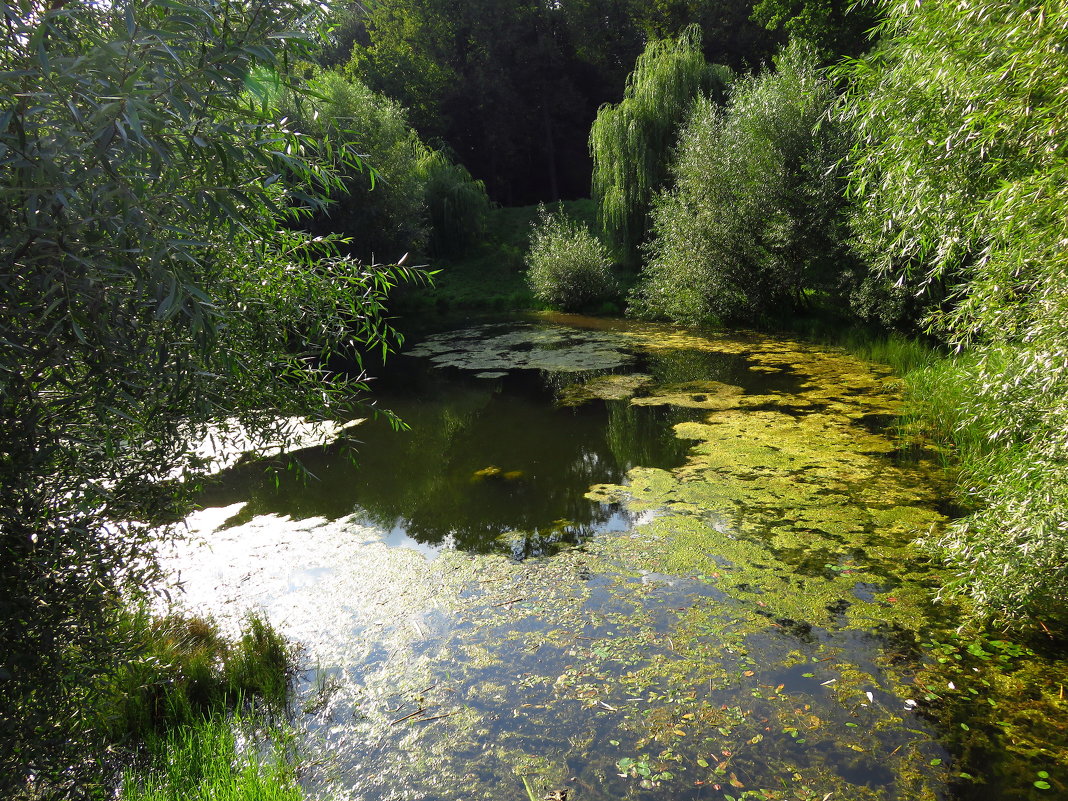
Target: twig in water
column 505, row 603
column 419, row 711
column 437, row 717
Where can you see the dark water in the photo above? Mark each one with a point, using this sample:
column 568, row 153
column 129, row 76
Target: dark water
column 422, row 482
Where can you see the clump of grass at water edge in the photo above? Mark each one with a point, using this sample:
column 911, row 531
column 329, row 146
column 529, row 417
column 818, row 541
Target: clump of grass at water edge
column 199, row 713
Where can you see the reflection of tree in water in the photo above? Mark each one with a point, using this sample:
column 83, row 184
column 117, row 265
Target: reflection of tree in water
column 643, row 435
column 424, row 481
column 679, row 366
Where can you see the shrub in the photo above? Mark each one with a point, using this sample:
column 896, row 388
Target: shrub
column 756, row 215
column 384, row 217
column 568, row 267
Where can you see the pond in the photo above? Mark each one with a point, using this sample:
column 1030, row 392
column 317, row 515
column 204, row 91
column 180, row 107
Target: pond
column 611, row 560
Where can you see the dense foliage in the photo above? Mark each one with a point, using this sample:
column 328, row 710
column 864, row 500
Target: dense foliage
column 631, row 142
column 512, row 85
column 150, row 292
column 384, row 218
column 832, row 28
column 755, row 218
column 961, row 182
column 418, row 200
column 456, row 204
column 568, row 267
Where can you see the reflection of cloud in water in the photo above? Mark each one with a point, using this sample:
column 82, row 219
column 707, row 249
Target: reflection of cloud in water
column 324, row 581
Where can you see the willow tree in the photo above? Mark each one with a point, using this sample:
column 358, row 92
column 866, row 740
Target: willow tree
column 155, row 282
column 961, row 177
column 631, row 142
column 755, row 219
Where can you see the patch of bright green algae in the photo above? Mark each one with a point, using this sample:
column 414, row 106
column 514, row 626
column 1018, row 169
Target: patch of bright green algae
column 797, row 507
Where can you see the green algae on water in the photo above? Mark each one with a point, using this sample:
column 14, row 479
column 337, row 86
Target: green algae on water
column 761, row 625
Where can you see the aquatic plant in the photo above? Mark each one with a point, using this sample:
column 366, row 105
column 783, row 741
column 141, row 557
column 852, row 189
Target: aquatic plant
column 184, row 670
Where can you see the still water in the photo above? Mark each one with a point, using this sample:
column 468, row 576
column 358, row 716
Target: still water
column 607, row 560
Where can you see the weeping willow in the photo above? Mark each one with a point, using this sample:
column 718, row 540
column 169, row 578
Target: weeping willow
column 631, row 142
column 456, row 203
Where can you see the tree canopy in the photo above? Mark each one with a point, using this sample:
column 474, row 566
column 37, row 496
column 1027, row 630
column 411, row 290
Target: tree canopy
column 961, row 181
column 512, row 86
column 755, row 215
column 156, row 286
column 632, row 142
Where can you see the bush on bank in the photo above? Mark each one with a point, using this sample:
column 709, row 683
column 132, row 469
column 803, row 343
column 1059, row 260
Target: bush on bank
column 568, row 267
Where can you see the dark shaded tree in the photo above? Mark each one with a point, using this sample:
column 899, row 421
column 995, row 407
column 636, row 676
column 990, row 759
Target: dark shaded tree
column 150, row 295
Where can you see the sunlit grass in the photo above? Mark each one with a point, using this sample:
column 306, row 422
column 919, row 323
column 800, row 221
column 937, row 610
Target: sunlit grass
column 206, row 761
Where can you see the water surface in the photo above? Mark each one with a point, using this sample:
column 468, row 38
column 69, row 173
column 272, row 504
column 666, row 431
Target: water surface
column 616, row 560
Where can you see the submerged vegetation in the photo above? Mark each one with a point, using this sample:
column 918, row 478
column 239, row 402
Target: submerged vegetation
column 199, row 207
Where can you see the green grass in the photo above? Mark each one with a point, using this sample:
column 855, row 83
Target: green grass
column 202, row 761
column 491, row 276
column 175, row 704
column 181, row 669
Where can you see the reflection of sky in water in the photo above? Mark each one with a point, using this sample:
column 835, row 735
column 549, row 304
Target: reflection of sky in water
column 370, row 566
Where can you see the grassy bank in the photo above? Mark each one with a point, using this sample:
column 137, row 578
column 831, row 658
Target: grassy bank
column 203, row 760
column 491, row 277
column 988, row 413
column 188, row 710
